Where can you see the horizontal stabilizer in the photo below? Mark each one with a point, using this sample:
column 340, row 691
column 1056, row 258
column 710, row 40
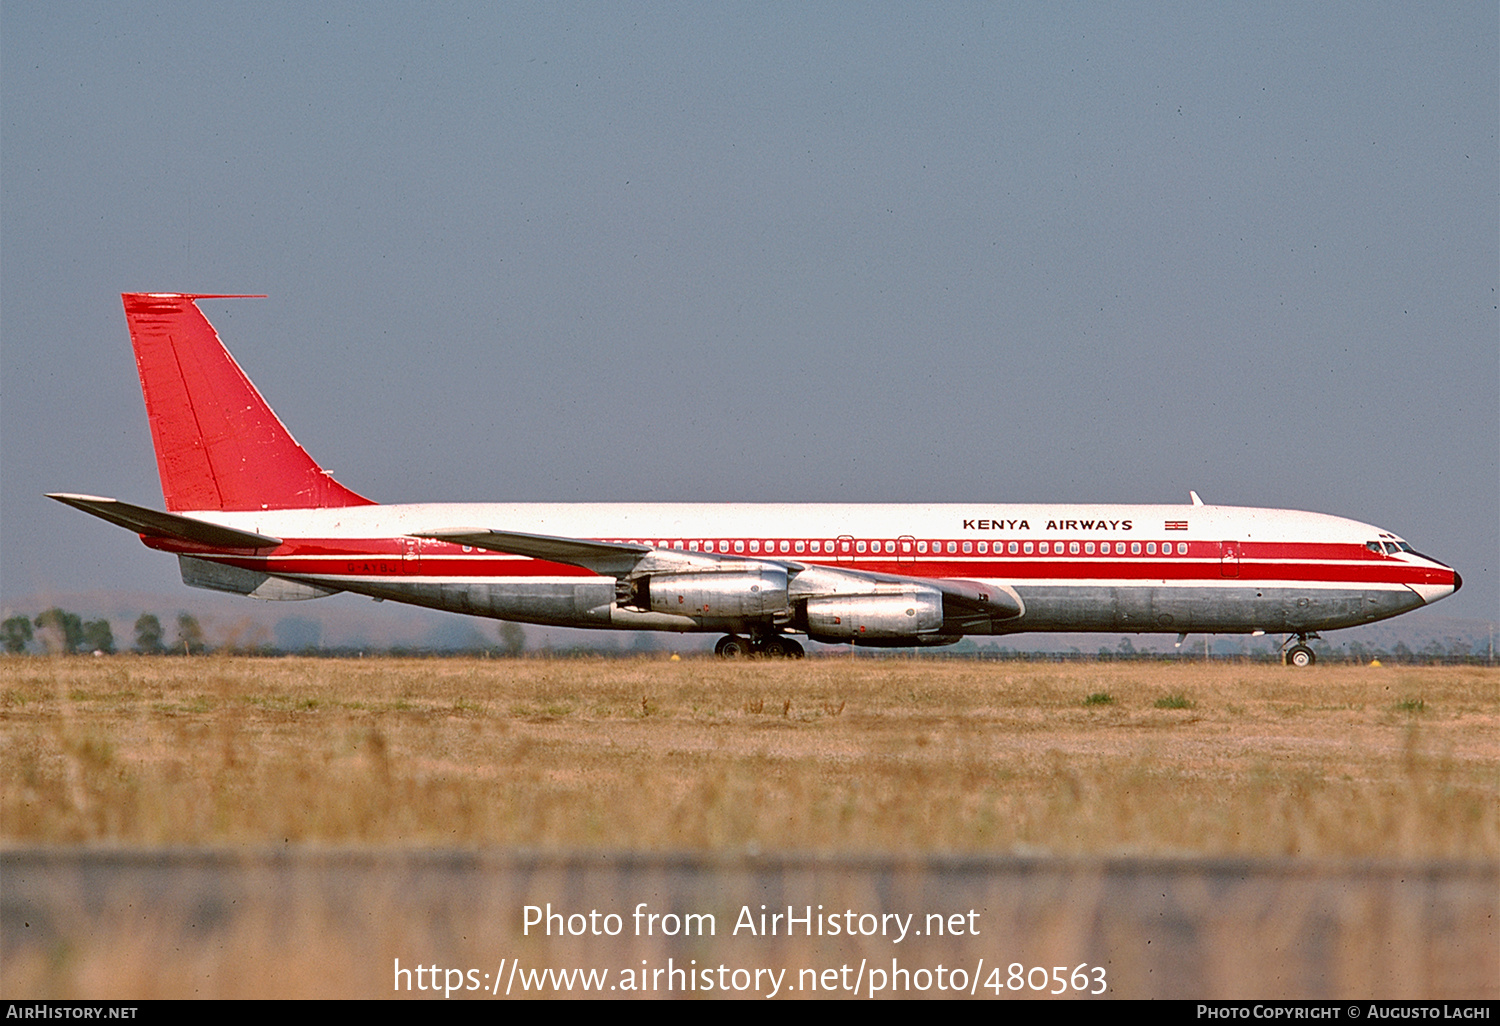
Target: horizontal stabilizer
column 165, row 525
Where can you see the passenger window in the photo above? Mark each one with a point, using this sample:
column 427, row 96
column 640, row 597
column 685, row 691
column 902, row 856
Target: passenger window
column 1151, row 548
column 953, row 546
column 785, row 546
column 1088, row 548
column 801, row 546
column 755, row 546
column 739, row 546
column 817, row 546
column 1045, row 548
column 968, row 546
column 1073, row 548
column 922, row 547
column 1028, row 547
column 985, row 547
column 1182, row 548
column 859, row 546
column 1135, row 548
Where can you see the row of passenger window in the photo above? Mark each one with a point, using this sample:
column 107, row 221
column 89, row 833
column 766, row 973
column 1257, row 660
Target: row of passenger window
column 905, row 547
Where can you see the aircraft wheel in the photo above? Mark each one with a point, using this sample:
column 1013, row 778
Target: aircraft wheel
column 1300, row 655
column 780, row 647
column 732, row 647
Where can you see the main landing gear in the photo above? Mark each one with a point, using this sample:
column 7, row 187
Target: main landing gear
column 1299, row 654
column 774, row 646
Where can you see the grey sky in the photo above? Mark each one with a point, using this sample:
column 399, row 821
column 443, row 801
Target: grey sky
column 1015, row 252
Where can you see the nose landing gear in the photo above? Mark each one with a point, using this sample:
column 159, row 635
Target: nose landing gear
column 1299, row 654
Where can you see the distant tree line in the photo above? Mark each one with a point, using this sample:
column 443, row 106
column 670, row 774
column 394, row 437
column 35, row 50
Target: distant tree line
column 58, row 632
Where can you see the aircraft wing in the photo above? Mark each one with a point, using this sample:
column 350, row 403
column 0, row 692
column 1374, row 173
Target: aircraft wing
column 610, row 559
column 607, row 558
column 624, row 560
column 157, row 524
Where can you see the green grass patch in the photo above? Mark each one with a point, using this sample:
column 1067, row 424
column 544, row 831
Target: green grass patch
column 1100, row 698
column 1177, row 701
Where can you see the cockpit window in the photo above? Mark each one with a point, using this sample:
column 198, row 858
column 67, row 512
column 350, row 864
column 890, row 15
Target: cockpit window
column 1405, row 547
column 1373, row 547
column 1392, row 548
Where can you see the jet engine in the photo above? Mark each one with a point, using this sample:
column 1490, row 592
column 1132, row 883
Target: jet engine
column 859, row 618
column 731, row 596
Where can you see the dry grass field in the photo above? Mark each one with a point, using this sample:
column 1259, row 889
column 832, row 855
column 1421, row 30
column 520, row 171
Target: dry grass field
column 832, row 755
column 292, row 827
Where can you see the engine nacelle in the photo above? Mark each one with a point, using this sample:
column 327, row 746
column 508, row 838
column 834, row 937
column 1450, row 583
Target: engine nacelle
column 733, row 595
column 897, row 614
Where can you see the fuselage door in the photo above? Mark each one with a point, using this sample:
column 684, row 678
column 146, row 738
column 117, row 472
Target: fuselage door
column 411, row 556
column 906, row 549
column 1229, row 559
column 846, row 548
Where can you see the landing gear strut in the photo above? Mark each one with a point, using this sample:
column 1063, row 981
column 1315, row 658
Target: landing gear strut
column 1299, row 654
column 773, row 646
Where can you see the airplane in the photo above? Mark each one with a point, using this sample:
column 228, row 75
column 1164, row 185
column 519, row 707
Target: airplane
column 249, row 512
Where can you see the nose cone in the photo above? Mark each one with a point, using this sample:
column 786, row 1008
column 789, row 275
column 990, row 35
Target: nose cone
column 1441, row 582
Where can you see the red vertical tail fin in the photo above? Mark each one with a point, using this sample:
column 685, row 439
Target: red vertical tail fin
column 218, row 445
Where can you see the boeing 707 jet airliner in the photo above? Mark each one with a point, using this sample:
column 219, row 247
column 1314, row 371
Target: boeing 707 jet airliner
column 248, row 511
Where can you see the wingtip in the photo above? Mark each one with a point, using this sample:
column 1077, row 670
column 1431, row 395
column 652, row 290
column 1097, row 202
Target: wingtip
column 75, row 497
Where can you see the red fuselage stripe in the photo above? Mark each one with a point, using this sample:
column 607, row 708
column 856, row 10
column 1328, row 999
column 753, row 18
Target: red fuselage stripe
column 1257, row 561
